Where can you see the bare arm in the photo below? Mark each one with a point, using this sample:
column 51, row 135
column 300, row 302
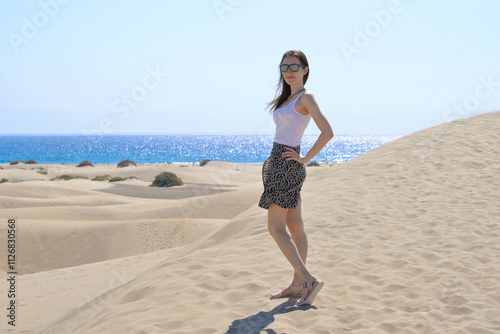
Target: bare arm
column 312, row 107
column 326, row 130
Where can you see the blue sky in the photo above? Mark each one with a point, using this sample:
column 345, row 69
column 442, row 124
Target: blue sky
column 210, row 67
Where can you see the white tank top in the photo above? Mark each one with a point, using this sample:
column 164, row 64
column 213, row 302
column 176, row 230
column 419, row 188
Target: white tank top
column 290, row 124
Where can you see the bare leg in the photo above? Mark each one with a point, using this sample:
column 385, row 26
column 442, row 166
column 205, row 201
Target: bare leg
column 295, row 225
column 277, row 228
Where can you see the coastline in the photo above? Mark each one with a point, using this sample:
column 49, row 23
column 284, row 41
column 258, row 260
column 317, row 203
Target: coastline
column 183, row 149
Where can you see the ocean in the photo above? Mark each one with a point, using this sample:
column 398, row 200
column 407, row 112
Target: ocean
column 149, row 149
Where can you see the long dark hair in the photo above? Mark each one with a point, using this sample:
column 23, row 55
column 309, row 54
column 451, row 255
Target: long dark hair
column 283, row 91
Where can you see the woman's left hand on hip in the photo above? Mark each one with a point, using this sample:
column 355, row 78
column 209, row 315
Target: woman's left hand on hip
column 291, row 154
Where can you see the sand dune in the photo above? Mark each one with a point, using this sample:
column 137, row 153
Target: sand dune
column 406, row 238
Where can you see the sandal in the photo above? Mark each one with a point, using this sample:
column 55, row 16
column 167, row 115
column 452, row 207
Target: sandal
column 313, row 285
column 296, row 289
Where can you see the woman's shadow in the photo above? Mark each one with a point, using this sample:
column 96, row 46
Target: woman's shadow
column 257, row 322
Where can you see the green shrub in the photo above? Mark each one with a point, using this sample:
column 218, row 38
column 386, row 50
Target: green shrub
column 69, row 177
column 101, row 178
column 32, row 162
column 204, row 162
column 15, row 162
column 166, row 179
column 85, row 163
column 118, row 178
column 125, row 163
column 43, row 172
column 313, row 164
column 4, row 180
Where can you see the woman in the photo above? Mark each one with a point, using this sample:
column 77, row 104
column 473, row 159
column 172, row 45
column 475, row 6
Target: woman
column 284, row 172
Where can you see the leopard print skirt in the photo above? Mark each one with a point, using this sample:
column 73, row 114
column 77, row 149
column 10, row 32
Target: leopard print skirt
column 282, row 179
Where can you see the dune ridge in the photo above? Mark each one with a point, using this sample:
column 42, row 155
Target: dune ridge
column 406, row 238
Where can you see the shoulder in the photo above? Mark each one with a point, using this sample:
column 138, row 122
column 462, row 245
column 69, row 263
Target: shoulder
column 308, row 95
column 308, row 99
column 305, row 103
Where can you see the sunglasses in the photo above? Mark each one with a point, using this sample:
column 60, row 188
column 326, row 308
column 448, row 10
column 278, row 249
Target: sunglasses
column 293, row 67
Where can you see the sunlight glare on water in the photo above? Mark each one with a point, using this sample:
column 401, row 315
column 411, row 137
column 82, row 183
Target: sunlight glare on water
column 173, row 148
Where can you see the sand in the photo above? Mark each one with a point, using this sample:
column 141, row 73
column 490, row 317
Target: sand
column 406, row 238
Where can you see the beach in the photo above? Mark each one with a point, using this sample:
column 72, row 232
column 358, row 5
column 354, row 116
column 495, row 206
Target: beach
column 406, row 238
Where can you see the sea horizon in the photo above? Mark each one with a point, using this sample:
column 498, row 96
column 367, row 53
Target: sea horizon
column 172, row 148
